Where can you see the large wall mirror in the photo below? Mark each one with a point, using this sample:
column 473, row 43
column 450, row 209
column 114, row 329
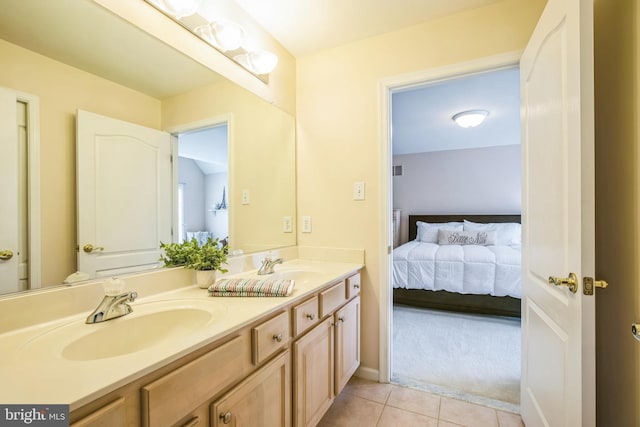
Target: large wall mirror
column 72, row 55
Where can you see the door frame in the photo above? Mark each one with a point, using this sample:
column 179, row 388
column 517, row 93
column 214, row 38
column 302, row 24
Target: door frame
column 432, row 75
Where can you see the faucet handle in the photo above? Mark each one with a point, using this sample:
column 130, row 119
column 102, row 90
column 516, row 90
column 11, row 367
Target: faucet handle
column 132, row 296
column 113, row 287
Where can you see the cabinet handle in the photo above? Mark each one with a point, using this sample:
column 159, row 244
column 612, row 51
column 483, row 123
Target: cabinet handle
column 225, row 418
column 310, row 316
column 341, row 319
column 192, row 422
column 277, row 337
column 356, row 285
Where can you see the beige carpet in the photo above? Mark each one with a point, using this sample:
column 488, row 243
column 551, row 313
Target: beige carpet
column 471, row 357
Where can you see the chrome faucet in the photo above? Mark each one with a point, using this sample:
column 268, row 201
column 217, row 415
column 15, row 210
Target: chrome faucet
column 112, row 306
column 268, row 264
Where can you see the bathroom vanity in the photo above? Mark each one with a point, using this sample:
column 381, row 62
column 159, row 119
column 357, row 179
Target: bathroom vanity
column 183, row 358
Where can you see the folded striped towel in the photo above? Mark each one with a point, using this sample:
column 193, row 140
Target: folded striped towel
column 251, row 288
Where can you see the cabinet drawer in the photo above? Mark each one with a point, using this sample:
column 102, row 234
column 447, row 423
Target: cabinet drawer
column 353, row 286
column 305, row 315
column 332, row 298
column 269, row 337
column 166, row 400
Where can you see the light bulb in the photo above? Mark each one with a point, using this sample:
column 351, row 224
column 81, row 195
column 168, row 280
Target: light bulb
column 224, row 35
column 180, row 8
column 258, row 61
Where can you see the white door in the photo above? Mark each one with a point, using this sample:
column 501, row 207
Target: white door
column 124, row 195
column 9, row 225
column 558, row 325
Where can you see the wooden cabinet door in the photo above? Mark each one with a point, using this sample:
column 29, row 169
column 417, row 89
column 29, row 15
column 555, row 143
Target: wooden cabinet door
column 263, row 399
column 347, row 321
column 313, row 374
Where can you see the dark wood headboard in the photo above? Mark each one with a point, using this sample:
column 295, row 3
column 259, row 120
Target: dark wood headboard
column 413, row 228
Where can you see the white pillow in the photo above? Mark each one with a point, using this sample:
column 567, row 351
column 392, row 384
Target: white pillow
column 428, row 232
column 480, row 238
column 508, row 233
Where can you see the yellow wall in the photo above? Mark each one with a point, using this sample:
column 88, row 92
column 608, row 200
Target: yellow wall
column 617, row 61
column 338, row 125
column 63, row 89
column 261, row 160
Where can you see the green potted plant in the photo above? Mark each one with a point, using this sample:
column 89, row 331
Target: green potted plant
column 205, row 259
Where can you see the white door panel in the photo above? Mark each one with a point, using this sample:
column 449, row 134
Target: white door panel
column 558, row 328
column 9, row 225
column 124, row 194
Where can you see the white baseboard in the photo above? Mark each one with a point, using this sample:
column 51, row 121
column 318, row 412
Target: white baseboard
column 367, row 373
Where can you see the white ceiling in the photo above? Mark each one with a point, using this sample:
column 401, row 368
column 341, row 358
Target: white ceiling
column 307, row 26
column 207, row 147
column 422, row 117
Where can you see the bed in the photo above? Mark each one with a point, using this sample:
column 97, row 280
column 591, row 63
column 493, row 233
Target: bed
column 468, row 263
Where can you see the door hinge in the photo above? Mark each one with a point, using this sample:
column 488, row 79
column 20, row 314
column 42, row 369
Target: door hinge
column 589, row 284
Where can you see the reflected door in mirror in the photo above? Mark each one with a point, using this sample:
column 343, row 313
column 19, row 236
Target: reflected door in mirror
column 124, row 195
column 17, row 202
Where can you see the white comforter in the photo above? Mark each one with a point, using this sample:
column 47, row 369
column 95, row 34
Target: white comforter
column 466, row 269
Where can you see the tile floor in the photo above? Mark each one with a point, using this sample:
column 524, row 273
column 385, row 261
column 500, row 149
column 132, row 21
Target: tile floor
column 365, row 403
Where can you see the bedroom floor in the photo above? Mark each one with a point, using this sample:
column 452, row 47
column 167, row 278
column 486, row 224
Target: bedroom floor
column 365, row 403
column 470, row 357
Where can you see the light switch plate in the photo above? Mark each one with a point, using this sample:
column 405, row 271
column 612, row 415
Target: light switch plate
column 306, row 224
column 358, row 190
column 245, row 197
column 287, row 226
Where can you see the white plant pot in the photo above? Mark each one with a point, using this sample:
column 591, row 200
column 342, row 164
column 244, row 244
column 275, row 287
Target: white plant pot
column 205, row 278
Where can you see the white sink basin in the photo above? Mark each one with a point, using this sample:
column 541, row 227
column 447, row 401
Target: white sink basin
column 135, row 333
column 149, row 325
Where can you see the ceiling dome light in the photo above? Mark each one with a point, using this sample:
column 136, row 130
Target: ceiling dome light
column 471, row 118
column 258, row 61
column 224, row 35
column 179, row 8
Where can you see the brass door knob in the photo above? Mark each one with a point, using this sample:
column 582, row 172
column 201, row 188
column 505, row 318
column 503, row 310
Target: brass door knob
column 571, row 282
column 6, row 255
column 89, row 248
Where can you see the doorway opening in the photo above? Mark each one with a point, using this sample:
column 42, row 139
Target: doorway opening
column 434, row 173
column 202, row 184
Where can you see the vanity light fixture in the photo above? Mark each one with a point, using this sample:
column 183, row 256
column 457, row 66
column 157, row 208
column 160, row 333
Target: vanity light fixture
column 258, row 61
column 471, row 118
column 225, row 36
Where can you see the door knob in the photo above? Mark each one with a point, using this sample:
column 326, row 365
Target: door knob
column 6, row 255
column 89, row 248
column 571, row 282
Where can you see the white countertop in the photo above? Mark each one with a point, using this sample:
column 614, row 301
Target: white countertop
column 33, row 370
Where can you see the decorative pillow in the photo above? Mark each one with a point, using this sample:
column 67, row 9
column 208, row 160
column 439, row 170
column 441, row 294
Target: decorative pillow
column 482, row 238
column 508, row 233
column 428, row 232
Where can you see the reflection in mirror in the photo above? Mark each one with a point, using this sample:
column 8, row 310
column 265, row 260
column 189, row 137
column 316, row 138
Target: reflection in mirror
column 19, row 192
column 148, row 84
column 203, row 177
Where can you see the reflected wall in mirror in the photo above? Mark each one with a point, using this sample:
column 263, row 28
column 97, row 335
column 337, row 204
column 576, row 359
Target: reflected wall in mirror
column 261, row 136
